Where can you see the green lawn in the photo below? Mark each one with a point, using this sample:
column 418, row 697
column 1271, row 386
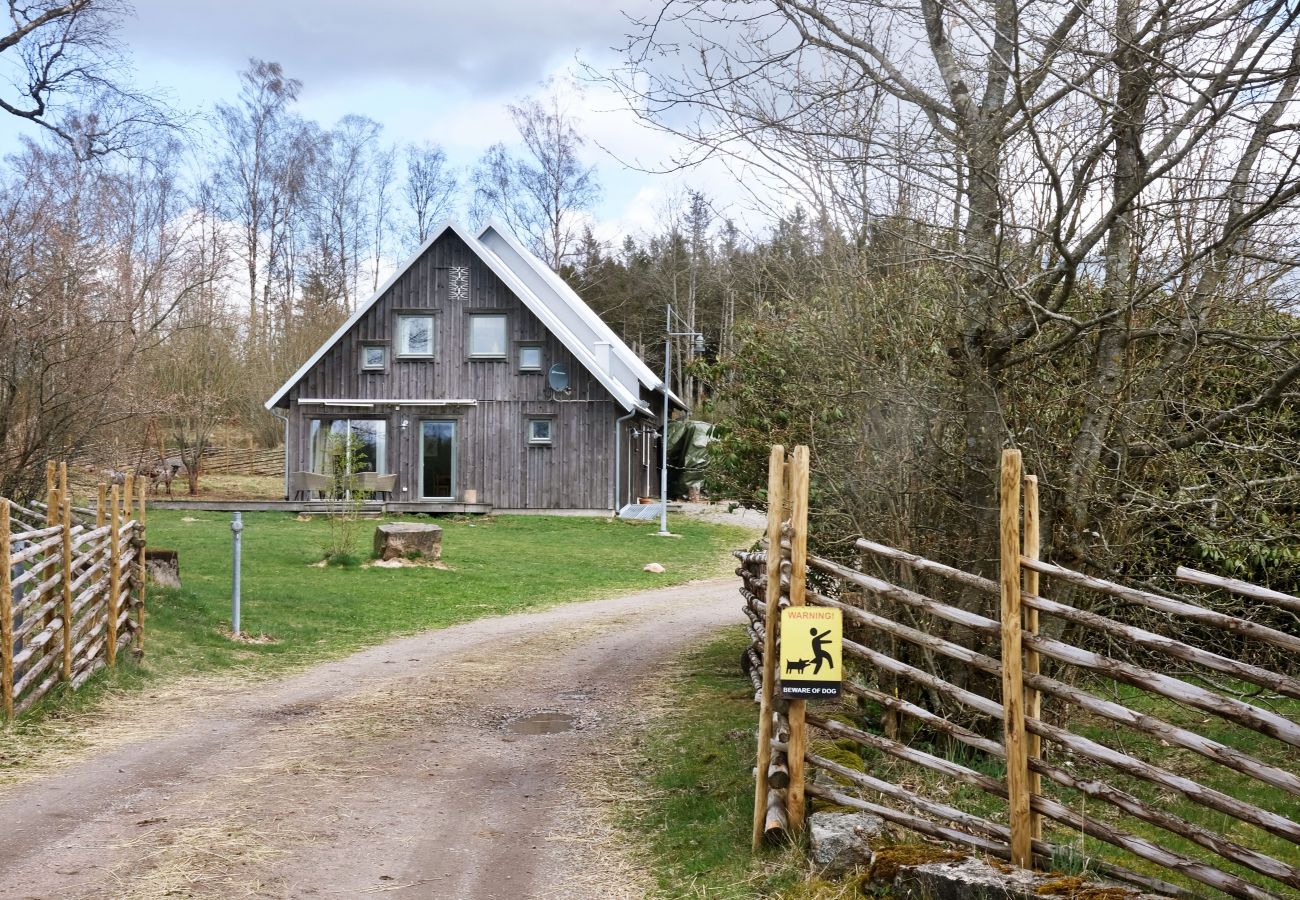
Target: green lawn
column 494, row 566
column 299, row 613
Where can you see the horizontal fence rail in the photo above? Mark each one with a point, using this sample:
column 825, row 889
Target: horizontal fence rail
column 72, row 588
column 928, row 659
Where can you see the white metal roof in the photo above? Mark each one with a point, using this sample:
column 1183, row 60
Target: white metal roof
column 558, row 313
column 581, row 319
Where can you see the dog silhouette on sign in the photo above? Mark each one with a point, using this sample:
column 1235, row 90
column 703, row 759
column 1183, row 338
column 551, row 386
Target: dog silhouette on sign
column 797, row 665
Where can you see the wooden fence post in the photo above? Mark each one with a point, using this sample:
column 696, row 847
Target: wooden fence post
column 51, row 485
column 1013, row 687
column 1033, row 699
column 6, row 615
column 771, row 619
column 65, row 517
column 798, row 743
column 114, row 574
column 141, row 535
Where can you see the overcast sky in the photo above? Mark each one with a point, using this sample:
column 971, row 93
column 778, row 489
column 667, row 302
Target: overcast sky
column 425, row 69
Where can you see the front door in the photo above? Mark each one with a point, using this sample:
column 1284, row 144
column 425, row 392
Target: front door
column 438, row 459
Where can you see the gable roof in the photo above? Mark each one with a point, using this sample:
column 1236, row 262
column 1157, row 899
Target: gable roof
column 562, row 316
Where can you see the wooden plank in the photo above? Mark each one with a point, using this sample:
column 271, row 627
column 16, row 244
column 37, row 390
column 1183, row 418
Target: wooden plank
column 1188, row 611
column 1208, row 797
column 1013, row 687
column 1236, row 586
column 775, row 501
column 1274, row 681
column 6, row 616
column 1033, row 665
column 114, row 574
column 1259, row 862
column 797, row 710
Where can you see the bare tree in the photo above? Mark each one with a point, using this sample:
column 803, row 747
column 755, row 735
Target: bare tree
column 1109, row 185
column 68, row 75
column 94, row 259
column 430, row 188
column 257, row 135
column 542, row 192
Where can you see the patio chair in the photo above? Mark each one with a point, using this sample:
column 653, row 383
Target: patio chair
column 375, row 484
column 309, row 483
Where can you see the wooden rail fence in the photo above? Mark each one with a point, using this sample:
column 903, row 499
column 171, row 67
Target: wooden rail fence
column 72, row 587
column 1098, row 786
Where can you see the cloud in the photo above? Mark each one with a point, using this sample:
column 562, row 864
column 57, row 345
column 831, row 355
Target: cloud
column 487, row 46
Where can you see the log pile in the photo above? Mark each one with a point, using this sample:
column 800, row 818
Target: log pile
column 71, row 588
column 1240, row 732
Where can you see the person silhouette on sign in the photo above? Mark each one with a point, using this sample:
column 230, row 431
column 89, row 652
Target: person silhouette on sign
column 819, row 652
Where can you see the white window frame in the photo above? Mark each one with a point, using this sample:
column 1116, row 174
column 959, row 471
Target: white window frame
column 505, row 336
column 400, row 335
column 526, row 347
column 536, row 441
column 383, row 357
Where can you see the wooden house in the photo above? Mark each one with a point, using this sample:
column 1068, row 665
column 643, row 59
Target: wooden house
column 480, row 380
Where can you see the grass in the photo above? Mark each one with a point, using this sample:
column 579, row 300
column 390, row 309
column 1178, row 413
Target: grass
column 692, row 770
column 300, row 614
column 228, row 487
column 495, row 566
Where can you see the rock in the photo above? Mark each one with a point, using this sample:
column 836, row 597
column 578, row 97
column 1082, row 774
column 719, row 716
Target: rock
column 842, row 841
column 405, row 540
column 653, row 567
column 975, row 879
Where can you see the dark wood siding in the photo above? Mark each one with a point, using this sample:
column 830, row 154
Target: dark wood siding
column 494, row 457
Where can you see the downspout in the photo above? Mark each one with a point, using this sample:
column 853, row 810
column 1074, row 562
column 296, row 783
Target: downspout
column 618, row 457
column 284, row 419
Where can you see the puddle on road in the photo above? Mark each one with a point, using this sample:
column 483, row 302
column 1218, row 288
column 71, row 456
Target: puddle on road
column 541, row 723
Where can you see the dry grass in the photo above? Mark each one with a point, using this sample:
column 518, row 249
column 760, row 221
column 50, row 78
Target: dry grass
column 34, row 748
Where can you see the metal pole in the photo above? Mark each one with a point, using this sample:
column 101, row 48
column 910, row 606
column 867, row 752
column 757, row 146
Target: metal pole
column 663, row 468
column 236, row 528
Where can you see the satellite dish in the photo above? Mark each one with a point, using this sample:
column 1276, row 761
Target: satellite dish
column 558, row 378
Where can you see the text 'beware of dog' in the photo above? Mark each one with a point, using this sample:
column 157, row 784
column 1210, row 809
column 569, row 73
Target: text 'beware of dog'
column 812, row 644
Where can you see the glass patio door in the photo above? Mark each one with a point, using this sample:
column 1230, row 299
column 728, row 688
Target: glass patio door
column 438, row 459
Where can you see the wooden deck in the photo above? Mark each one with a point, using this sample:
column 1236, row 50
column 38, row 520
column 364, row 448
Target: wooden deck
column 371, row 508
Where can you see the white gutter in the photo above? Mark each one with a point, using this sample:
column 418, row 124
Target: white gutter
column 384, row 402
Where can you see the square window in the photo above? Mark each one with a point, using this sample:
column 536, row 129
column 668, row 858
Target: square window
column 487, row 336
column 415, row 336
column 530, row 359
column 539, row 431
column 374, row 357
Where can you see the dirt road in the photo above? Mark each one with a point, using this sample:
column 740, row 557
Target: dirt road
column 407, row 770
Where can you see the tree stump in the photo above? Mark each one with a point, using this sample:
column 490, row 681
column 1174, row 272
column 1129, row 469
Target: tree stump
column 408, row 540
column 163, row 567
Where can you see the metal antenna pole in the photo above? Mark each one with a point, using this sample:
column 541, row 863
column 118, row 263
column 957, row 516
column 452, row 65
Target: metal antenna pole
column 663, row 466
column 236, row 528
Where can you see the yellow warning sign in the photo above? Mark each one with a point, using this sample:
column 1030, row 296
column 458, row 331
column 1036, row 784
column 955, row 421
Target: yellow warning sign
column 812, row 644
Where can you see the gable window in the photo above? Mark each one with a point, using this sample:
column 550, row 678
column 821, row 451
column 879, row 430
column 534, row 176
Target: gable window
column 539, row 431
column 530, row 358
column 415, row 336
column 374, row 357
column 487, row 336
